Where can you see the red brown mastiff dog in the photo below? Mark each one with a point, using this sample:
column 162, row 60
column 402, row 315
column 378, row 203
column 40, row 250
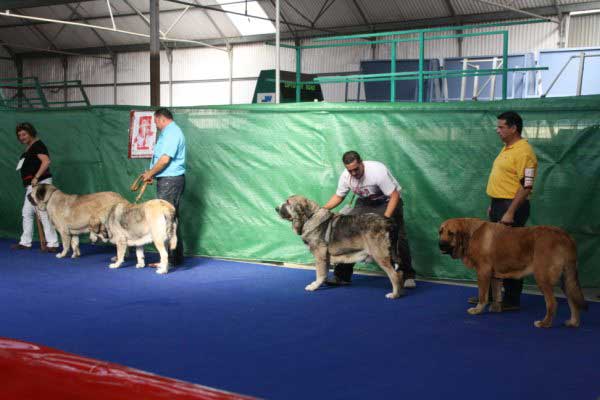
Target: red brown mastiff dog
column 498, row 251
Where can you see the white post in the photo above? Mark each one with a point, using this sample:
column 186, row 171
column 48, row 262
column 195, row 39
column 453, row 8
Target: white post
column 493, row 79
column 463, row 80
column 277, row 57
column 476, row 84
column 230, row 54
column 580, row 73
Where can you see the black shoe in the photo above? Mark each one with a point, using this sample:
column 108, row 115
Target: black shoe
column 510, row 307
column 337, row 281
column 50, row 250
column 475, row 300
column 19, row 246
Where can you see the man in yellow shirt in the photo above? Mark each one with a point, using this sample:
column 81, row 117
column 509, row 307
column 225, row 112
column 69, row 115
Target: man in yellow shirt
column 509, row 186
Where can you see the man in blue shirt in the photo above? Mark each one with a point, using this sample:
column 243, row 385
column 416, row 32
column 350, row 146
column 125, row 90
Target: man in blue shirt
column 168, row 167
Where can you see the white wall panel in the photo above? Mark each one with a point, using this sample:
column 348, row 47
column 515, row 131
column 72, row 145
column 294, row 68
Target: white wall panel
column 90, row 69
column 250, row 59
column 100, row 95
column 204, row 63
column 521, row 39
column 46, row 69
column 7, row 69
column 134, row 95
column 133, row 67
column 584, row 30
column 243, row 91
column 334, row 59
column 201, row 93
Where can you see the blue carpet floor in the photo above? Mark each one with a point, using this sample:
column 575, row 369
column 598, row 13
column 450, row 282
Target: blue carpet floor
column 253, row 329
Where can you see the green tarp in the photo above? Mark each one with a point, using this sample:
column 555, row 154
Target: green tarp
column 245, row 160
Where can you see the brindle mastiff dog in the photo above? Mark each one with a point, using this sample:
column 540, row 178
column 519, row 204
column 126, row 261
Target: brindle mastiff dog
column 335, row 238
column 71, row 213
column 498, row 251
column 136, row 225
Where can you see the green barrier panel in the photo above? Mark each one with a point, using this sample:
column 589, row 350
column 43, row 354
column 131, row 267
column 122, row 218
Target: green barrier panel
column 245, row 160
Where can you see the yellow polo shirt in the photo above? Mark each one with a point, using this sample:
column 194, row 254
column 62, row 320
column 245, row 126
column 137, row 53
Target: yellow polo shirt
column 515, row 166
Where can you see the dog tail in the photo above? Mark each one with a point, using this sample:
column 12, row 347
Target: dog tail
column 571, row 286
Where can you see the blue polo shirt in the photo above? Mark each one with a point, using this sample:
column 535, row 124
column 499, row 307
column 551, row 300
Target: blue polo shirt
column 171, row 142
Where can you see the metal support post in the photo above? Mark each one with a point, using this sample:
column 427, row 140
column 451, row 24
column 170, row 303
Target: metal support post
column 154, row 54
column 230, row 56
column 298, row 71
column 115, row 64
column 393, row 71
column 580, row 73
column 421, row 64
column 504, row 64
column 169, row 52
column 277, row 51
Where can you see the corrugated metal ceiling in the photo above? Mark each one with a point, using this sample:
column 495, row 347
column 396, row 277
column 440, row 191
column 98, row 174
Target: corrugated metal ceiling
column 300, row 19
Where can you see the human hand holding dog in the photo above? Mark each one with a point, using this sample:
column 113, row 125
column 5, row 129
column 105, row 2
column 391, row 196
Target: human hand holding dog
column 147, row 177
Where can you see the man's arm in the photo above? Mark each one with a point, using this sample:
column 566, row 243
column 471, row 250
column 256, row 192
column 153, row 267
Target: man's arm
column 161, row 164
column 392, row 204
column 509, row 216
column 333, row 202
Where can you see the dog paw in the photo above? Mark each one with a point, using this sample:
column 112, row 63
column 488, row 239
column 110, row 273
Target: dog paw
column 60, row 255
column 114, row 265
column 162, row 271
column 541, row 324
column 140, row 265
column 496, row 307
column 312, row 287
column 571, row 323
column 392, row 295
column 74, row 255
column 474, row 311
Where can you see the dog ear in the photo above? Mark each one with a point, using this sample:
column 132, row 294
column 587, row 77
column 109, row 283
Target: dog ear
column 299, row 221
column 461, row 246
column 310, row 207
column 40, row 192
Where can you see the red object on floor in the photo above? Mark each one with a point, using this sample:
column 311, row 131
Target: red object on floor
column 31, row 371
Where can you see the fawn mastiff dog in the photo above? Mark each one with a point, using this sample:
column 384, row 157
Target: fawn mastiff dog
column 136, row 225
column 335, row 238
column 498, row 251
column 71, row 213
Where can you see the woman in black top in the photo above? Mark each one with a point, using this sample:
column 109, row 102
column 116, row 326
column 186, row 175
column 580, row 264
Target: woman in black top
column 34, row 167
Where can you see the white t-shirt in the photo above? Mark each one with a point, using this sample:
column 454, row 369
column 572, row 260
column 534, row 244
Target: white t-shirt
column 377, row 182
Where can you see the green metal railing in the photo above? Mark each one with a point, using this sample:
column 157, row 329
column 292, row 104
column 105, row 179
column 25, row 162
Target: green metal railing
column 420, row 75
column 30, row 93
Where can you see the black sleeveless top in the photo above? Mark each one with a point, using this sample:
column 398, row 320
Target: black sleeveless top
column 31, row 163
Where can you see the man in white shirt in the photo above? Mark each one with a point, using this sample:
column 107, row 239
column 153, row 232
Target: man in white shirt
column 378, row 192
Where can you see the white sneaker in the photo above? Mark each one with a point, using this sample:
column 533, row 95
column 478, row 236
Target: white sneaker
column 410, row 284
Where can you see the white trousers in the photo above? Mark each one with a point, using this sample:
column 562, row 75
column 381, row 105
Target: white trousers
column 28, row 219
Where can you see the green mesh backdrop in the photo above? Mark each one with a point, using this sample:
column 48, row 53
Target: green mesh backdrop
column 245, row 160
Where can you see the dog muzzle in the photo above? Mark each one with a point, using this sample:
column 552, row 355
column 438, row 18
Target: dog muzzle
column 30, row 198
column 283, row 212
column 445, row 247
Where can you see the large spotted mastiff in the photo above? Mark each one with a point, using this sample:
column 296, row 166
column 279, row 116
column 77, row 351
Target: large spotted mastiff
column 335, row 238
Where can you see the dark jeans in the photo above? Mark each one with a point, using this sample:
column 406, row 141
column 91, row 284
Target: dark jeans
column 401, row 250
column 512, row 287
column 170, row 188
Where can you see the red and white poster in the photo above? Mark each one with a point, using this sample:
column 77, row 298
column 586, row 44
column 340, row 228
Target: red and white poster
column 142, row 134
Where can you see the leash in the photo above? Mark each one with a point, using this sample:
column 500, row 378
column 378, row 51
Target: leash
column 135, row 186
